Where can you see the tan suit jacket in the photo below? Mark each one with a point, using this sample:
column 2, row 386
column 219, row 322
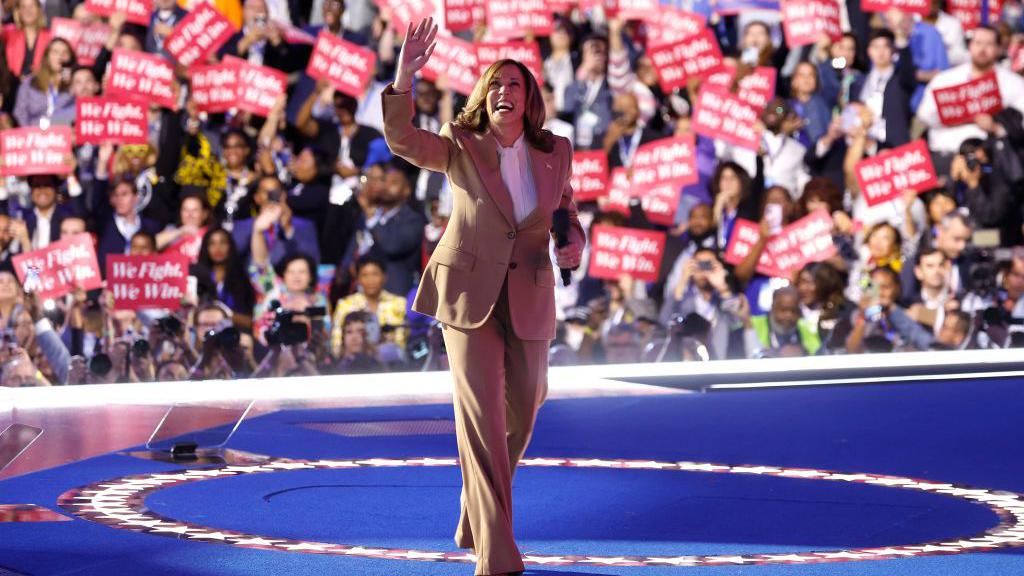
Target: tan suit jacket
column 483, row 243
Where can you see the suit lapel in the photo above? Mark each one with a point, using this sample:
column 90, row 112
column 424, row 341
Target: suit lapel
column 485, row 158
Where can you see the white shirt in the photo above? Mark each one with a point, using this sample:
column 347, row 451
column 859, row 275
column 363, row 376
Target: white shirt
column 518, row 178
column 41, row 237
column 127, row 229
column 947, row 139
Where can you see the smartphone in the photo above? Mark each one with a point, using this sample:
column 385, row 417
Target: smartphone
column 773, row 214
column 750, row 56
column 705, row 266
column 850, row 119
column 192, row 289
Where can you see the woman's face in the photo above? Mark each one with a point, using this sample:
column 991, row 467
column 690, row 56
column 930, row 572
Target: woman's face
column 645, row 71
column 29, row 11
column 192, row 213
column 371, row 280
column 219, row 247
column 729, row 184
column 354, row 338
column 806, row 288
column 506, row 97
column 756, row 36
column 297, row 276
column 58, row 55
column 560, row 38
column 882, row 243
column 939, row 206
column 8, row 287
column 24, row 328
column 235, row 152
column 816, row 203
column 804, row 81
column 140, row 246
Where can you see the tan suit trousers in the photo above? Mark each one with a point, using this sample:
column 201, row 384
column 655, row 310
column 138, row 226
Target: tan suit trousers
column 500, row 383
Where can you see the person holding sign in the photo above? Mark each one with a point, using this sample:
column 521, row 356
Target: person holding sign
column 490, row 282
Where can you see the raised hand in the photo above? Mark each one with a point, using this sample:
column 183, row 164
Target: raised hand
column 416, row 50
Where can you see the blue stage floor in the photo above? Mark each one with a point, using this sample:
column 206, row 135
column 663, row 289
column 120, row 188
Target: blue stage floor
column 603, row 481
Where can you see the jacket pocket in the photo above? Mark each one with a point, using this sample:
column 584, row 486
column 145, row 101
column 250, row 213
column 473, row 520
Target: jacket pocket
column 545, row 277
column 453, row 258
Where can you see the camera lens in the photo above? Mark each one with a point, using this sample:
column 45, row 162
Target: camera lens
column 100, row 364
column 140, row 348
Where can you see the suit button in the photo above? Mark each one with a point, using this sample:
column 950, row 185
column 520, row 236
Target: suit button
column 512, row 266
column 511, row 235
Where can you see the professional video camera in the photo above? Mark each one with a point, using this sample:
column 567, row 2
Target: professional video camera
column 285, row 330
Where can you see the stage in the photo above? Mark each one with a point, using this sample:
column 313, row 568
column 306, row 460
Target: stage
column 760, row 467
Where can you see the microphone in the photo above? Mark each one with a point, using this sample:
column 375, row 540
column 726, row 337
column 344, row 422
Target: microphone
column 560, row 226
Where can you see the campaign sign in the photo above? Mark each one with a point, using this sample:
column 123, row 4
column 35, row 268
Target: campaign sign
column 462, row 15
column 693, row 57
column 135, row 11
column 404, row 12
column 528, row 53
column 665, row 162
column 589, row 179
column 137, row 74
column 215, row 87
column 921, row 7
column 659, row 201
column 745, row 234
column 968, row 12
column 158, row 281
column 100, row 120
column 758, row 87
column 200, row 33
column 455, row 59
column 620, row 191
column 259, row 87
column 516, row 18
column 638, row 9
column 27, row 151
column 804, row 21
column 807, row 240
column 616, row 251
column 961, row 103
column 671, row 25
column 188, row 246
column 60, row 268
column 347, row 66
column 887, row 175
column 727, row 118
column 87, row 41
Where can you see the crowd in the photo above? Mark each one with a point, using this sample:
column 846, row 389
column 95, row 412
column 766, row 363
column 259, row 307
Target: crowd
column 307, row 236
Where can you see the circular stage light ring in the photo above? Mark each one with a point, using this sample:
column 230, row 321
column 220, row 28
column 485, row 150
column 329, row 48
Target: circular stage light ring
column 120, row 503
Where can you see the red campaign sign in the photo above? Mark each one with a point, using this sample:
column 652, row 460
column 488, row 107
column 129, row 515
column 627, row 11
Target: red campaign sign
column 758, row 87
column 528, row 53
column 516, row 18
column 1017, row 57
column 722, row 78
column 807, row 240
column 215, row 88
column 620, row 191
column 921, row 7
column 402, row 12
column 961, row 103
column 638, row 9
column 259, row 87
column 695, row 57
column 87, row 41
column 804, row 21
column 589, row 175
column 665, row 162
column 27, row 151
column 136, row 74
column 727, row 118
column 198, row 35
column 968, row 12
column 135, row 11
column 158, row 281
column 60, row 268
column 347, row 66
column 455, row 59
column 671, row 25
column 462, row 15
column 745, row 234
column 188, row 246
column 615, row 252
column 101, row 120
column 659, row 201
column 887, row 175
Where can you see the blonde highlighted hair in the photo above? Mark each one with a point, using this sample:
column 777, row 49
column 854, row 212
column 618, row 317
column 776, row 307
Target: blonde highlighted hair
column 474, row 115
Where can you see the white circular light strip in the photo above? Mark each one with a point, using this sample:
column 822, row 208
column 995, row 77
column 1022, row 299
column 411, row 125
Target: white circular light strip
column 120, row 503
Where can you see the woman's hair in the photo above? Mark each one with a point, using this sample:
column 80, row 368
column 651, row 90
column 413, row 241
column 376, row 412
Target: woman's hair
column 41, row 23
column 823, row 189
column 359, row 316
column 474, row 115
column 201, row 197
column 829, row 284
column 895, row 233
column 310, row 262
column 745, row 181
column 44, row 76
column 236, row 281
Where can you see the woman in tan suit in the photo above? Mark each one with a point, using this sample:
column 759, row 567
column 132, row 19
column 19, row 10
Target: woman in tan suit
column 490, row 281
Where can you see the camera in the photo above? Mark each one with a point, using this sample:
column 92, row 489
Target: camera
column 972, row 161
column 169, row 325
column 225, row 339
column 705, row 266
column 284, row 330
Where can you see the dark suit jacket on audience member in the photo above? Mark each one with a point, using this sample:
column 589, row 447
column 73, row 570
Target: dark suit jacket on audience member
column 303, row 241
